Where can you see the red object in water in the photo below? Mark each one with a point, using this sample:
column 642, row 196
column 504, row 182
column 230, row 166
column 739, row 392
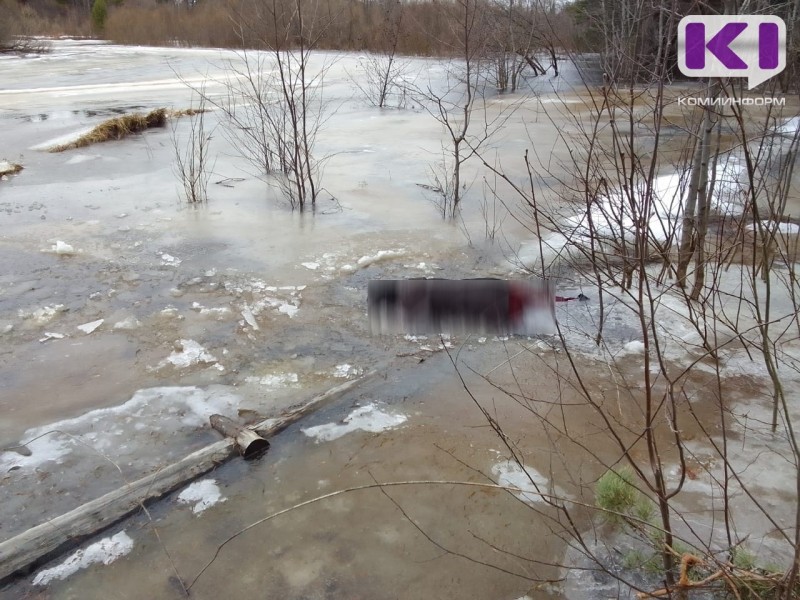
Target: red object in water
column 516, row 303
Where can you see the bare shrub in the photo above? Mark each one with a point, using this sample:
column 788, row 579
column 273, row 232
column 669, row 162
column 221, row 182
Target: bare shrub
column 638, row 212
column 193, row 163
column 384, row 73
column 274, row 99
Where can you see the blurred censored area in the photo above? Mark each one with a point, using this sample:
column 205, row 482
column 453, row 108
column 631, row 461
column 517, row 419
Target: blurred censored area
column 486, row 306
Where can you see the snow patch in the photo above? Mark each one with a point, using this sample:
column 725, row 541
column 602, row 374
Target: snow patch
column 368, row 418
column 105, row 552
column 203, row 494
column 612, row 218
column 311, row 265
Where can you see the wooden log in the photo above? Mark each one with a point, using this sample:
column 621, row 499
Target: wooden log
column 250, row 444
column 43, row 541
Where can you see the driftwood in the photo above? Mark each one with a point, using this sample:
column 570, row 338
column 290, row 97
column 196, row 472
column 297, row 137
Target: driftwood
column 30, row 547
column 250, row 444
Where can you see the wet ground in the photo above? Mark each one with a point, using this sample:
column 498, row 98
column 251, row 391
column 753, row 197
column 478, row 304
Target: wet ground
column 114, row 352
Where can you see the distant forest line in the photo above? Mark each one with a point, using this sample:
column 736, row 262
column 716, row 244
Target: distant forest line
column 631, row 35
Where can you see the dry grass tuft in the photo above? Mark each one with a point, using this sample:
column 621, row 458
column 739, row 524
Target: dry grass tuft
column 9, row 168
column 118, row 128
column 187, row 112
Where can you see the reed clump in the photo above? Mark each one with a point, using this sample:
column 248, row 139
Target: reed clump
column 118, row 128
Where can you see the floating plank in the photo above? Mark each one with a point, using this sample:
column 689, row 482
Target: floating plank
column 30, row 547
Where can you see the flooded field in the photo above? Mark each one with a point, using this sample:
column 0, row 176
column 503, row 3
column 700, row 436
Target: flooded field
column 128, row 317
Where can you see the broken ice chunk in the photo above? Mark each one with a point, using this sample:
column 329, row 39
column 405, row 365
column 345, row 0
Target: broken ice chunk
column 127, row 324
column 369, row 418
column 88, row 328
column 62, row 248
column 250, row 317
column 51, row 336
column 288, row 309
column 169, row 260
column 188, row 353
column 342, row 370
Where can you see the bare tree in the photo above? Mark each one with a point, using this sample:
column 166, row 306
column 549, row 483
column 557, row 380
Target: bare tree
column 615, row 219
column 453, row 103
column 385, row 72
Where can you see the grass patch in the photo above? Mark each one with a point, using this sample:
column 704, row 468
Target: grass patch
column 649, row 562
column 743, row 558
column 118, row 128
column 615, row 492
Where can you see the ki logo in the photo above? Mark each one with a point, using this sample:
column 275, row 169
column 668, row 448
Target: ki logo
column 732, row 46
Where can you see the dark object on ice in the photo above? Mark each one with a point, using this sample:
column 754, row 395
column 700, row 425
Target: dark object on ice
column 579, row 298
column 484, row 305
column 250, row 444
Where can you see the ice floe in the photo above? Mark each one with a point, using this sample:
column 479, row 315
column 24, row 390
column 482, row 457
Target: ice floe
column 167, row 409
column 613, row 218
column 257, row 289
column 249, row 317
column 380, row 256
column 105, row 552
column 203, row 494
column 786, row 228
column 368, row 418
column 88, row 328
column 190, row 353
column 274, row 380
column 790, row 126
column 632, row 347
